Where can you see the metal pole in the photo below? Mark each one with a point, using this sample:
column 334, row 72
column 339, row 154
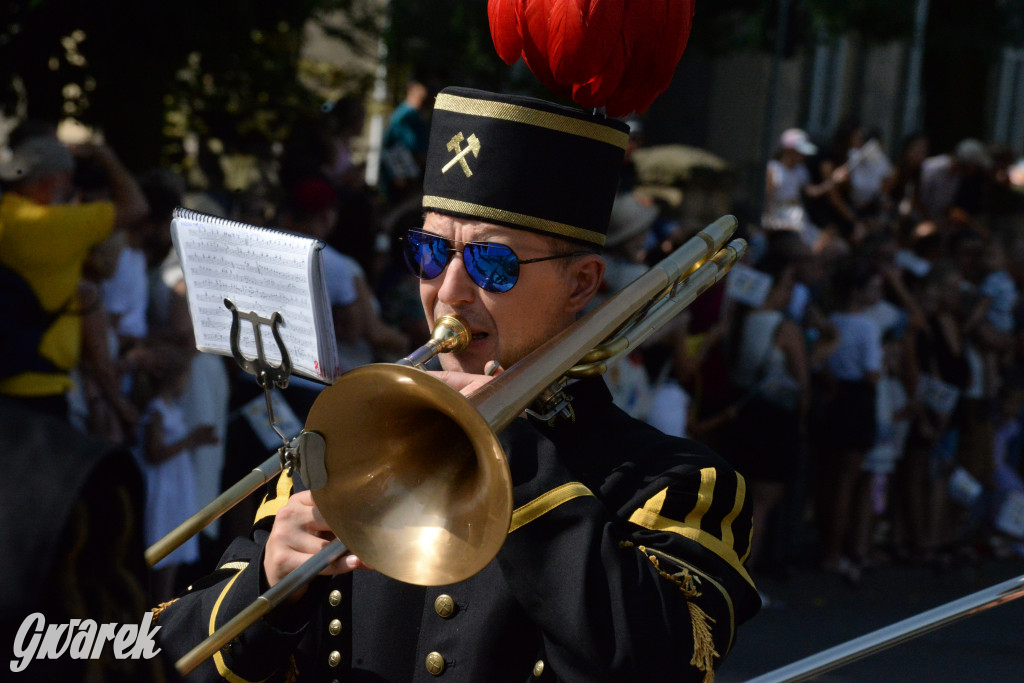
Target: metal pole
column 768, row 138
column 912, row 105
column 379, row 97
column 901, row 631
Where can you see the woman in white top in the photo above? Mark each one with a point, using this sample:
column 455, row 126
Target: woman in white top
column 787, row 182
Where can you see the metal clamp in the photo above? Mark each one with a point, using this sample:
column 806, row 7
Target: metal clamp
column 552, row 404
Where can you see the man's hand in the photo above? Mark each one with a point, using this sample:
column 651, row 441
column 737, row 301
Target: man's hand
column 300, row 532
column 466, row 383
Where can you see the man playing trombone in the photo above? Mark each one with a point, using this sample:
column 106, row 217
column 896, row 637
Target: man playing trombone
column 624, row 558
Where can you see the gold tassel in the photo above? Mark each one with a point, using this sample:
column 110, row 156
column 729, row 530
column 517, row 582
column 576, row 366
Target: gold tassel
column 704, row 651
column 161, row 607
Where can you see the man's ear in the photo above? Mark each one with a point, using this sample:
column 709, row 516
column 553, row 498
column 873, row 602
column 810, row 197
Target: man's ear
column 587, row 273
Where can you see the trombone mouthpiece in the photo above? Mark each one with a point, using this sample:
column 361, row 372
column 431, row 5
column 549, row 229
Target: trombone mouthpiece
column 450, row 335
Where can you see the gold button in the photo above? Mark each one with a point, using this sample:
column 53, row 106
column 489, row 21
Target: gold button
column 435, row 664
column 444, row 606
column 334, row 598
column 334, row 627
column 538, row 668
column 334, row 659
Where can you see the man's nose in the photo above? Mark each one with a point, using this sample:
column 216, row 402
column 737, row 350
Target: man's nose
column 456, row 286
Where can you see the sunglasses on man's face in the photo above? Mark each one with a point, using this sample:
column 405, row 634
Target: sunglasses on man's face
column 492, row 267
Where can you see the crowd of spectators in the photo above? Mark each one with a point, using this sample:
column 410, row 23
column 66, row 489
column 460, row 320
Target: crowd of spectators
column 870, row 356
column 863, row 367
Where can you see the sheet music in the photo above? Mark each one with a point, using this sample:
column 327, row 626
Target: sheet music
column 259, row 270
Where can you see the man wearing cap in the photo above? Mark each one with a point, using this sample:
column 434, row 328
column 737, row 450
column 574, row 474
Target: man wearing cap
column 954, row 181
column 44, row 240
column 624, row 557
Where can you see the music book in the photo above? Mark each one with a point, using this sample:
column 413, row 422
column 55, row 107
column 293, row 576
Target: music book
column 263, row 271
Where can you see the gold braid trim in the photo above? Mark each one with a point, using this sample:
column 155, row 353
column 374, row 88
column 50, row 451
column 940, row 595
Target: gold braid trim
column 161, row 607
column 704, row 651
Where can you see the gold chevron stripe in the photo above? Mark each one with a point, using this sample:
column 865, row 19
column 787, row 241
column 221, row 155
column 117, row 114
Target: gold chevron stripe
column 547, row 502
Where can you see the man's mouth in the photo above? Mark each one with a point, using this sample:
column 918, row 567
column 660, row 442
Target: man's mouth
column 477, row 336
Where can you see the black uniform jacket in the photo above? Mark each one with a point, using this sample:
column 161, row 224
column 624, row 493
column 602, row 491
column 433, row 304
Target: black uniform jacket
column 624, row 561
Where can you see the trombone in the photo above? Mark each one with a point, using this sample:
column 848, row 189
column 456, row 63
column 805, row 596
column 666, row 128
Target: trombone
column 439, row 520
column 450, row 336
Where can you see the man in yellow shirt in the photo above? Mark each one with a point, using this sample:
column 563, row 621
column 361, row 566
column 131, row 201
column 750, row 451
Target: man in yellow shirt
column 45, row 237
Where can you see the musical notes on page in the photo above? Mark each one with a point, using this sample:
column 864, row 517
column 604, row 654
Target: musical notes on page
column 259, row 270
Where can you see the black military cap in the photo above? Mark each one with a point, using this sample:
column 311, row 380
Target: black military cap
column 524, row 163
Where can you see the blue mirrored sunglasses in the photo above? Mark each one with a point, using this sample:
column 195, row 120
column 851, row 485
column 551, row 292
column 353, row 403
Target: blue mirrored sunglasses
column 492, row 267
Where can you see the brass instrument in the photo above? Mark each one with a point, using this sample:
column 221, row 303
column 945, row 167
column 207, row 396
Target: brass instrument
column 450, row 336
column 412, row 478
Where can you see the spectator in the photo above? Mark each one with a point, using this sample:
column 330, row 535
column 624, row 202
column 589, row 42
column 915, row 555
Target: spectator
column 940, row 374
column 405, row 143
column 906, row 186
column 788, row 182
column 644, row 384
column 164, row 454
column 361, row 334
column 854, row 366
column 44, row 242
column 952, row 185
column 893, row 412
column 769, row 365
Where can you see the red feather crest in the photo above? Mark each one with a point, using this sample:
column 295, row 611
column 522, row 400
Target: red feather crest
column 616, row 54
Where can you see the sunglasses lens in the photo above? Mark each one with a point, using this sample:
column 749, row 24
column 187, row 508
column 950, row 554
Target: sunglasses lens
column 425, row 254
column 493, row 267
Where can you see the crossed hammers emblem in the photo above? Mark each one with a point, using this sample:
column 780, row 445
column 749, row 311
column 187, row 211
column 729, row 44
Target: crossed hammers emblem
column 455, row 145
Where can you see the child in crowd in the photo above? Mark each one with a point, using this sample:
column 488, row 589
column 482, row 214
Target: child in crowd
column 892, row 413
column 164, row 455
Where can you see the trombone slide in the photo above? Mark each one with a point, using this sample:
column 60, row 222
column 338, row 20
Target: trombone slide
column 277, row 593
column 244, row 487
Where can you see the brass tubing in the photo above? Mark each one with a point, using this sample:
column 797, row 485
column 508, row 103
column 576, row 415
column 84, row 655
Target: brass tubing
column 273, row 597
column 540, row 369
column 666, row 308
column 450, row 334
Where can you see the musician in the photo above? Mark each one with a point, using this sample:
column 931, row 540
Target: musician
column 625, row 556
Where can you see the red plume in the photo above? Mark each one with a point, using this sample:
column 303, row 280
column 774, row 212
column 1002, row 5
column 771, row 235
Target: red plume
column 616, row 54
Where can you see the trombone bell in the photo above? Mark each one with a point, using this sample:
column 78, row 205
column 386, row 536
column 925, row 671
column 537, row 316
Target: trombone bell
column 417, row 483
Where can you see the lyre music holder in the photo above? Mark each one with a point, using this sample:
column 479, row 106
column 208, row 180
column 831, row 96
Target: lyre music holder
column 269, row 376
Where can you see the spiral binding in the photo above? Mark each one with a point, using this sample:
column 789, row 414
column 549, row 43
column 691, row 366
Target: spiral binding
column 199, row 217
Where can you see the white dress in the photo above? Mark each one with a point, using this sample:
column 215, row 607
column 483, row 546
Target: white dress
column 170, row 485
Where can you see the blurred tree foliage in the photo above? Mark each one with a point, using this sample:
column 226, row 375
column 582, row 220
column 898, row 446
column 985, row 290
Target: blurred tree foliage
column 726, row 25
column 448, row 42
column 145, row 72
column 230, row 73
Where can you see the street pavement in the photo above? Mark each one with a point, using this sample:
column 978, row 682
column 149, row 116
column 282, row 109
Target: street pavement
column 812, row 611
